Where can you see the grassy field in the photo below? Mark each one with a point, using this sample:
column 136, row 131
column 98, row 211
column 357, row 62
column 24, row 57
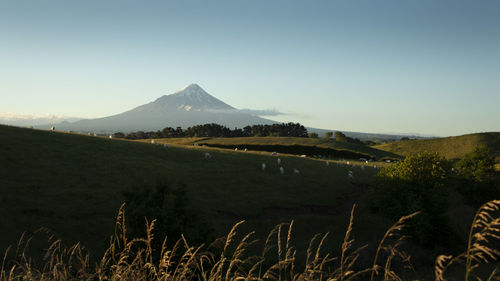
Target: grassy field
column 274, row 143
column 73, row 184
column 450, row 147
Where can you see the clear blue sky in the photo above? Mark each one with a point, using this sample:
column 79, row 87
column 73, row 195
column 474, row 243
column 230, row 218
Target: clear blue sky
column 426, row 66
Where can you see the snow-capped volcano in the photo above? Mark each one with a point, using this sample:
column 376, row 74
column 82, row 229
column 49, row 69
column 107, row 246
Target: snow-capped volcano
column 189, row 98
column 187, row 107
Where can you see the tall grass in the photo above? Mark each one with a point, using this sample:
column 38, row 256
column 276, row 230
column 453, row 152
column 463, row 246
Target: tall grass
column 228, row 258
column 485, row 228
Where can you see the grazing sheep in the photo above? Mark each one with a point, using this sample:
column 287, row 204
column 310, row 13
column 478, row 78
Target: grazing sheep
column 366, row 161
column 279, row 161
column 236, row 149
column 327, row 163
column 95, row 135
column 263, row 166
column 274, row 153
column 375, row 167
column 347, row 163
column 207, row 155
column 282, row 171
column 296, row 171
column 52, row 128
column 110, row 137
column 246, row 150
column 153, row 142
column 303, row 156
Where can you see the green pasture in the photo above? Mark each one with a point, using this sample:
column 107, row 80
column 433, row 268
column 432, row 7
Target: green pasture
column 450, row 147
column 74, row 184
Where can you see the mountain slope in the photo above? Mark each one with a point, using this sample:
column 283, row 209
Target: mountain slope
column 187, row 107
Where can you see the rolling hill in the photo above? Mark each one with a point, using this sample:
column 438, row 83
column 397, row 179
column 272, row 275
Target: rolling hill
column 449, row 147
column 74, row 184
column 291, row 145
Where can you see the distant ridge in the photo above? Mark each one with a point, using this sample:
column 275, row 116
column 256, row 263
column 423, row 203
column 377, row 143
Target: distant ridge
column 449, row 147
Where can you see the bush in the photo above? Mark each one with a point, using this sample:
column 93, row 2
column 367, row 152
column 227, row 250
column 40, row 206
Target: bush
column 419, row 183
column 477, row 166
column 476, row 177
column 169, row 207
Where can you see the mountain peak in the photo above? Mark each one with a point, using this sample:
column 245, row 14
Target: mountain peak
column 191, row 89
column 190, row 98
column 192, row 86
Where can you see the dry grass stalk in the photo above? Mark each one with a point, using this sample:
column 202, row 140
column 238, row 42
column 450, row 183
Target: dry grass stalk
column 132, row 259
column 484, row 228
column 394, row 230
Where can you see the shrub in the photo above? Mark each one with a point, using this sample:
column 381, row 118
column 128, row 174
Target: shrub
column 476, row 176
column 416, row 184
column 477, row 166
column 169, row 206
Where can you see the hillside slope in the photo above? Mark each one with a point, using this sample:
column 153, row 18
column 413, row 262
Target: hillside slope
column 292, row 145
column 450, row 147
column 74, row 184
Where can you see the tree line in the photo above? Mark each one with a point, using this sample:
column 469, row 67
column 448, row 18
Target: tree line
column 216, row 130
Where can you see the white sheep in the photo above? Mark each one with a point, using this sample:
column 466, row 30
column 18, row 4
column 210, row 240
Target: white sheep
column 282, row 171
column 327, row 163
column 52, row 128
column 303, row 156
column 236, row 149
column 110, row 137
column 246, row 150
column 207, row 155
column 347, row 163
column 263, row 166
column 296, row 171
column 279, row 161
column 274, row 153
column 153, row 142
column 350, row 174
column 362, row 168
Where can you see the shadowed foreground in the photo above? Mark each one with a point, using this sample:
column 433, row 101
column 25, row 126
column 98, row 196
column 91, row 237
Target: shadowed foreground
column 227, row 259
